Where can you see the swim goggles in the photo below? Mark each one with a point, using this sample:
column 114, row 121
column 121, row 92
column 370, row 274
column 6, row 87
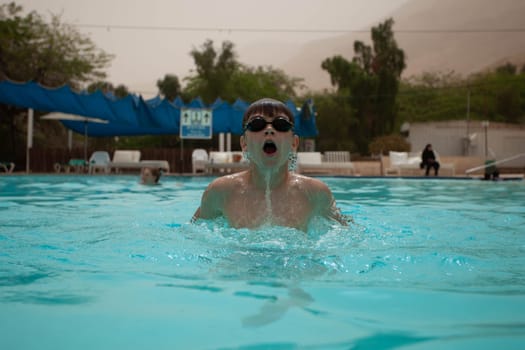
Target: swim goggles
column 259, row 123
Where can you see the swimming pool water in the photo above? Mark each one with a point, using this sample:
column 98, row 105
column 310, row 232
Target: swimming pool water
column 102, row 262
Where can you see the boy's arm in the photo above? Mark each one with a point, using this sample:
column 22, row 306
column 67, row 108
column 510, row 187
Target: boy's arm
column 211, row 203
column 326, row 205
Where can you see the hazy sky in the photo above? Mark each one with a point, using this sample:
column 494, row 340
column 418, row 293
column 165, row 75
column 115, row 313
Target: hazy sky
column 150, row 46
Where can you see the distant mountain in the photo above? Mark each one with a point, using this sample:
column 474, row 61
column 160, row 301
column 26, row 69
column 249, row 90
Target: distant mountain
column 464, row 36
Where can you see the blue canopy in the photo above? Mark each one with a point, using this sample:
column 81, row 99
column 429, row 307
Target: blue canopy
column 132, row 115
column 239, row 107
column 305, row 120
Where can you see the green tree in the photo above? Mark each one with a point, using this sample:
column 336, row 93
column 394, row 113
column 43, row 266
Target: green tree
column 108, row 89
column 496, row 96
column 121, row 91
column 371, row 82
column 251, row 83
column 214, row 71
column 335, row 121
column 51, row 53
column 219, row 74
column 169, row 86
column 432, row 96
column 384, row 144
column 507, row 68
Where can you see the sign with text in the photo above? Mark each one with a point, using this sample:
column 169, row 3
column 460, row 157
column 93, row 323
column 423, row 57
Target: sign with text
column 195, row 123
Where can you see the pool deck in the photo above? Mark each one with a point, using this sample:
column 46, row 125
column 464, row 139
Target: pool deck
column 376, row 168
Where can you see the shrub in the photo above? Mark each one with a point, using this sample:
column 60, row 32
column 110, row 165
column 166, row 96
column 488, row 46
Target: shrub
column 384, row 144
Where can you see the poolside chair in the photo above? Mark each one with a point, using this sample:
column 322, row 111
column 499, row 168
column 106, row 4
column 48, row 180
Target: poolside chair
column 226, row 162
column 402, row 163
column 339, row 161
column 331, row 163
column 309, row 162
column 99, row 160
column 130, row 159
column 125, row 159
column 199, row 159
column 397, row 161
column 8, row 167
column 74, row 164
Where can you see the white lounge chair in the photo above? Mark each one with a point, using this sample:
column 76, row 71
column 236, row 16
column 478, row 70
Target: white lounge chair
column 400, row 161
column 226, row 161
column 199, row 159
column 334, row 162
column 99, row 160
column 309, row 162
column 404, row 163
column 8, row 167
column 339, row 162
column 336, row 156
column 74, row 164
column 123, row 159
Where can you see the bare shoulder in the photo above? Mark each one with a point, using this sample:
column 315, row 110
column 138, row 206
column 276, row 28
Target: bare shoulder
column 317, row 192
column 310, row 184
column 217, row 194
column 321, row 197
column 220, row 189
column 227, row 182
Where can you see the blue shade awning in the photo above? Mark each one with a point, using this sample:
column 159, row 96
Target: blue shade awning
column 63, row 99
column 239, row 107
column 222, row 117
column 132, row 115
column 306, row 120
column 178, row 102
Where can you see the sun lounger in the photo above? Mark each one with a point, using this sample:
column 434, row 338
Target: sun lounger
column 398, row 161
column 74, row 164
column 308, row 162
column 339, row 162
column 124, row 159
column 8, row 167
column 333, row 162
column 164, row 165
column 226, row 162
column 403, row 164
column 99, row 160
column 199, row 159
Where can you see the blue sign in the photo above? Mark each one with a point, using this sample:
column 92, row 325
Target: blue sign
column 195, row 123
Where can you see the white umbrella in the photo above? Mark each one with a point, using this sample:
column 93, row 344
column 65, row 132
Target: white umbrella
column 74, row 117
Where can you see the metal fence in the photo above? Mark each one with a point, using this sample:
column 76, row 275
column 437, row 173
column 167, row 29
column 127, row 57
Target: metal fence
column 43, row 160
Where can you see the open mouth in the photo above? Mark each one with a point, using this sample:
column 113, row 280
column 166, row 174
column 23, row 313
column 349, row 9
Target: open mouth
column 269, row 147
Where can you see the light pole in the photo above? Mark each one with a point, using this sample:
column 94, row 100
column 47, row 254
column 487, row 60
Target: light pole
column 467, row 139
column 485, row 125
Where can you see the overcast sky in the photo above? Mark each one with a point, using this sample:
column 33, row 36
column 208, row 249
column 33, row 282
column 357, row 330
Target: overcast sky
column 150, row 46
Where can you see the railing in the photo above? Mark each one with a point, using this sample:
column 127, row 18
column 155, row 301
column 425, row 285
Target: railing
column 44, row 159
column 493, row 163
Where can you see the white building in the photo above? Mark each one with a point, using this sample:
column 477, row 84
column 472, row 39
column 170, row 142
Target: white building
column 474, row 138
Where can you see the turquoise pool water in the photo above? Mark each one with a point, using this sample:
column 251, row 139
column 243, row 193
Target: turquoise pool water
column 103, row 262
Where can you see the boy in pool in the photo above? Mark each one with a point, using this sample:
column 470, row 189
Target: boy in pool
column 268, row 193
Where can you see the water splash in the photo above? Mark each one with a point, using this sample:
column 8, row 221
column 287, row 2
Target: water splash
column 268, row 200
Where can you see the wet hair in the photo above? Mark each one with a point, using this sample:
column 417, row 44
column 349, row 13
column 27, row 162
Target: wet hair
column 156, row 172
column 267, row 107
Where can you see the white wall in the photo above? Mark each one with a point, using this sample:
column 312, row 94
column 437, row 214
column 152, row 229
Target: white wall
column 450, row 139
